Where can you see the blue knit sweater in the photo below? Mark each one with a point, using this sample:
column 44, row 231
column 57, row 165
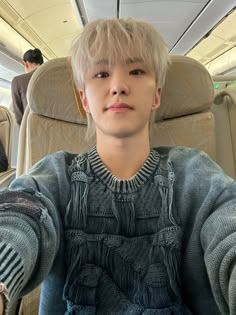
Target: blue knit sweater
column 162, row 242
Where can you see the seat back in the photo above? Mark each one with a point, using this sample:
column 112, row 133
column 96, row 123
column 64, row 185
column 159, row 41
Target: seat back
column 54, row 119
column 6, row 130
column 184, row 117
column 224, row 110
column 6, row 136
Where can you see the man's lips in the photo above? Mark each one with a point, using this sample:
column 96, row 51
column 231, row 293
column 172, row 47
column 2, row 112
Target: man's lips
column 119, row 107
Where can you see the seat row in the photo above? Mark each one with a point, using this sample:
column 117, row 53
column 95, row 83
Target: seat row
column 187, row 115
column 190, row 114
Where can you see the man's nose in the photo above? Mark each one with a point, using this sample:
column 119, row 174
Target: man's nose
column 119, row 86
column 119, row 91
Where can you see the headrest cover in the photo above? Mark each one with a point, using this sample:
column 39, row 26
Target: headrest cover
column 51, row 92
column 188, row 89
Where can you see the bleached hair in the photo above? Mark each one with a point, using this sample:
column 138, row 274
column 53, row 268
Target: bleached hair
column 118, row 40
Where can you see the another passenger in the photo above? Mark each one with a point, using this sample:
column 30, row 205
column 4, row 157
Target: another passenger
column 122, row 229
column 32, row 59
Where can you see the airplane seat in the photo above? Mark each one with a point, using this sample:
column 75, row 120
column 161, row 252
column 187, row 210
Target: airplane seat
column 184, row 116
column 224, row 109
column 21, row 165
column 6, row 136
column 54, row 119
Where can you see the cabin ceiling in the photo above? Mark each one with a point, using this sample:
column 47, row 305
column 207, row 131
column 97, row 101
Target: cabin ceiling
column 218, row 47
column 47, row 24
column 170, row 18
column 51, row 25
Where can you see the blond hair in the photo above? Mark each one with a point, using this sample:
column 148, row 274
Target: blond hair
column 118, row 40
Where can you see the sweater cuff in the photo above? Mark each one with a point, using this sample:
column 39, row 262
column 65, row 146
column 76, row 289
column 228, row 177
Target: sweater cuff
column 11, row 271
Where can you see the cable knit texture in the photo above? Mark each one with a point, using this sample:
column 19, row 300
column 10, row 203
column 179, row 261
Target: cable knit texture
column 159, row 243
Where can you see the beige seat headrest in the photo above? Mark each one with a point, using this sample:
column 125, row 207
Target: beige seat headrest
column 51, row 92
column 188, row 89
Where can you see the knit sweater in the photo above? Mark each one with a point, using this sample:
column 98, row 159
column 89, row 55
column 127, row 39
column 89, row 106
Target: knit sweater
column 162, row 242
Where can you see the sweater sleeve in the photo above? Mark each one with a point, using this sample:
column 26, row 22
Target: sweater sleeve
column 30, row 224
column 218, row 238
column 205, row 201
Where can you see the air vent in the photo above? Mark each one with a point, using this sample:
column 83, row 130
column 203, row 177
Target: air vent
column 217, row 50
column 31, row 36
column 6, row 9
column 48, row 52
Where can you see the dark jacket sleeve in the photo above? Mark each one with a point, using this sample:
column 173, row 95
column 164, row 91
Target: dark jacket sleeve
column 3, row 159
column 17, row 101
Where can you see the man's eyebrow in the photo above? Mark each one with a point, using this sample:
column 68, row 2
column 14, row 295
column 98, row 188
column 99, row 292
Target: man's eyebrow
column 105, row 62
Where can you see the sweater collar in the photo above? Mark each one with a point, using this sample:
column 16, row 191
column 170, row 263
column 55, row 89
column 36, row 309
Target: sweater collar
column 119, row 185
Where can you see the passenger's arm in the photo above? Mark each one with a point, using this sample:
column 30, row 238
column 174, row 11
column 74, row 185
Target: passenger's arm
column 17, row 101
column 218, row 237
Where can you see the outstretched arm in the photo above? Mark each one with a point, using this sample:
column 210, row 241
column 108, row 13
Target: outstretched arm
column 29, row 241
column 30, row 224
column 218, row 239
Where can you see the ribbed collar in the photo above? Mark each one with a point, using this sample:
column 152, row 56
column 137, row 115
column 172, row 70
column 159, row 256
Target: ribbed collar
column 123, row 186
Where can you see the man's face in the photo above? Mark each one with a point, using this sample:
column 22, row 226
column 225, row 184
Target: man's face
column 121, row 97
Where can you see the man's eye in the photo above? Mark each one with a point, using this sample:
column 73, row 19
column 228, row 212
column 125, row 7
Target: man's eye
column 137, row 72
column 102, row 75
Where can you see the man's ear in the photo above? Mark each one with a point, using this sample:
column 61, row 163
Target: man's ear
column 84, row 100
column 157, row 99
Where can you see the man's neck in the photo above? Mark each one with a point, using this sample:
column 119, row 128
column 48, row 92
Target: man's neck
column 123, row 157
column 32, row 67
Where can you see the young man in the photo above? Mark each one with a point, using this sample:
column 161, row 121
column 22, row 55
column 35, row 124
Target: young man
column 123, row 229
